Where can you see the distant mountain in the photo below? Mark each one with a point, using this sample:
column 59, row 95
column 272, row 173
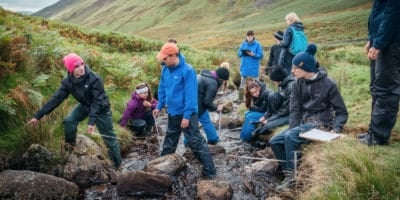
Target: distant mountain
column 26, row 12
column 197, row 22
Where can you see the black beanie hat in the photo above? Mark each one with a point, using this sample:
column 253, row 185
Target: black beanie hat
column 278, row 35
column 278, row 74
column 222, row 73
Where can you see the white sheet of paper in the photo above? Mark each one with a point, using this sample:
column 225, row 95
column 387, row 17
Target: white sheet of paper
column 318, row 135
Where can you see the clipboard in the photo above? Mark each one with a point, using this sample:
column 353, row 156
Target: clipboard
column 319, row 135
column 245, row 52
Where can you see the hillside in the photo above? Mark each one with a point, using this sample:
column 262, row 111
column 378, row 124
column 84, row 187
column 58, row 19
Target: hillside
column 214, row 23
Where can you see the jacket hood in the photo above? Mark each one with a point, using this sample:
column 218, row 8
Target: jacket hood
column 322, row 73
column 286, row 81
column 298, row 26
column 207, row 73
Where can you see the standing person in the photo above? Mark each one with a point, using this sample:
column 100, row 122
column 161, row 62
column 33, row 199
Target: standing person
column 138, row 112
column 383, row 48
column 178, row 90
column 315, row 102
column 278, row 109
column 274, row 53
column 286, row 57
column 250, row 52
column 257, row 103
column 88, row 89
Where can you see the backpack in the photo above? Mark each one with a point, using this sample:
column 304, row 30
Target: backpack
column 299, row 41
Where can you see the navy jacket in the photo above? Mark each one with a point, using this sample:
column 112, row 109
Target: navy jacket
column 383, row 23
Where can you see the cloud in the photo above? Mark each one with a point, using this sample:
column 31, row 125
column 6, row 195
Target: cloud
column 26, row 5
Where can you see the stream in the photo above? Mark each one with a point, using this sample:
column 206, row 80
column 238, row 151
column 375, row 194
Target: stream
column 231, row 165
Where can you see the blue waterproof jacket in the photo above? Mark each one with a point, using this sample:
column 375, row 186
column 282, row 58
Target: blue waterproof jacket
column 178, row 89
column 250, row 65
column 383, row 23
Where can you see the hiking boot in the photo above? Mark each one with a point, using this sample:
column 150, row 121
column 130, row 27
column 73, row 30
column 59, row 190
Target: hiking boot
column 148, row 130
column 368, row 139
column 362, row 135
column 259, row 144
column 256, row 132
column 212, row 142
column 287, row 183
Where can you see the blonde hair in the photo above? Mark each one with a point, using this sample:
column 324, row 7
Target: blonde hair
column 292, row 17
column 224, row 65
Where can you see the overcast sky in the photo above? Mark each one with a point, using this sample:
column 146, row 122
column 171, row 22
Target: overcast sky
column 26, row 5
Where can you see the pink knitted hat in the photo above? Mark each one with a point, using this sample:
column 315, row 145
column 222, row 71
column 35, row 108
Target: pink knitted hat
column 71, row 61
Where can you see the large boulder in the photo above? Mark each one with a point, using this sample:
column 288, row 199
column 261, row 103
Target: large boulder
column 214, row 190
column 36, row 158
column 169, row 165
column 142, row 183
column 34, row 185
column 87, row 165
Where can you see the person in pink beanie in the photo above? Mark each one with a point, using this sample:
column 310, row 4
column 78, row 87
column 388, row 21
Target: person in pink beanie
column 87, row 88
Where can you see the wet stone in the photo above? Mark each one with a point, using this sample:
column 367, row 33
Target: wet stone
column 214, row 190
column 140, row 183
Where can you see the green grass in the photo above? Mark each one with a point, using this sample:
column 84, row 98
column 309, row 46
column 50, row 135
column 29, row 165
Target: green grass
column 346, row 169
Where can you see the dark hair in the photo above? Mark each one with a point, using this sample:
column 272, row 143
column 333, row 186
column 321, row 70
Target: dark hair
column 143, row 85
column 250, row 32
column 172, row 40
column 249, row 98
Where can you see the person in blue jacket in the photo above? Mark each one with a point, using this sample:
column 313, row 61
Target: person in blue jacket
column 383, row 49
column 250, row 53
column 178, row 91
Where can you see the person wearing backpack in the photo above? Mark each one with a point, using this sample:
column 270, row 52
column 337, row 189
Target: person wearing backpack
column 294, row 41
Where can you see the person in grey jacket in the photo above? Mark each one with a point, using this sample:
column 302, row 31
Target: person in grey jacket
column 208, row 84
column 88, row 89
column 315, row 102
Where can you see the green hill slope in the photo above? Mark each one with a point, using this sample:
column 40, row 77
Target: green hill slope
column 211, row 23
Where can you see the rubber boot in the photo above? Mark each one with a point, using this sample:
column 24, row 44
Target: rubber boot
column 287, row 183
column 240, row 95
column 148, row 130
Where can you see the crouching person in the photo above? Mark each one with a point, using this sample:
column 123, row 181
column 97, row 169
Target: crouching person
column 88, row 89
column 138, row 116
column 257, row 102
column 315, row 102
column 278, row 102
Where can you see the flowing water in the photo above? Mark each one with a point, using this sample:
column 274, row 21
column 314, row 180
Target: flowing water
column 231, row 167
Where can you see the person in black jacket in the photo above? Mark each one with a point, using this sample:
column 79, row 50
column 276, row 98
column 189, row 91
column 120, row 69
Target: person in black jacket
column 383, row 49
column 208, row 84
column 274, row 53
column 257, row 102
column 315, row 102
column 88, row 89
column 278, row 102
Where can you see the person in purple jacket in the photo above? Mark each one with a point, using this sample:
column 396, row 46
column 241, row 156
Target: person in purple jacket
column 138, row 115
